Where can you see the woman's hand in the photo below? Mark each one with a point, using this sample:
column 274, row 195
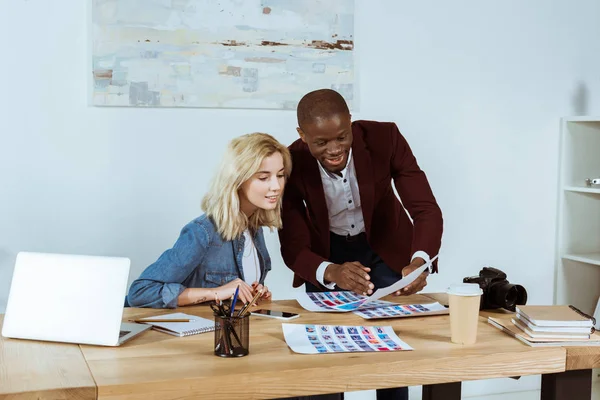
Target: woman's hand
column 266, row 293
column 226, row 291
column 193, row 296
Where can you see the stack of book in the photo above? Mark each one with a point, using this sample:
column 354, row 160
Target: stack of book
column 550, row 326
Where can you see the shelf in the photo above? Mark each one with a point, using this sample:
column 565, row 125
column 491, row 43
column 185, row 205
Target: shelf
column 582, row 119
column 589, row 258
column 582, row 189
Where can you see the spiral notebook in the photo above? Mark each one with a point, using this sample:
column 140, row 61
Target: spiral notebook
column 194, row 327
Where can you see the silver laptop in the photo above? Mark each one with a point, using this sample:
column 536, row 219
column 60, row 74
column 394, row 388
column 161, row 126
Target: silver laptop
column 69, row 298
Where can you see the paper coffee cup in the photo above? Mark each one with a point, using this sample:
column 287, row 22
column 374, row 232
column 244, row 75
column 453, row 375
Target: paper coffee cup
column 464, row 299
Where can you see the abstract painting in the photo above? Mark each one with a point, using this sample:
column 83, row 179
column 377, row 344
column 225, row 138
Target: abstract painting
column 220, row 53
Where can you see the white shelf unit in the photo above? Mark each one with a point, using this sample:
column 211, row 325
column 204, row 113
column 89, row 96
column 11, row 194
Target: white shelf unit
column 587, row 258
column 582, row 189
column 578, row 234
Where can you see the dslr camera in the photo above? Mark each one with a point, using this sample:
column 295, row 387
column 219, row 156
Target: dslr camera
column 497, row 291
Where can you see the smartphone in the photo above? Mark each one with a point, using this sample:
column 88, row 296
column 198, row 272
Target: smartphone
column 275, row 314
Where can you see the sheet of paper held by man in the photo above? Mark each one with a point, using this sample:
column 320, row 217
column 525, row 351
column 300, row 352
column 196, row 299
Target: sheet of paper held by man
column 344, row 301
column 401, row 284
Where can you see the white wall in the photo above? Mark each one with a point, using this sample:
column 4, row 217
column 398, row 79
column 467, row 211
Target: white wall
column 477, row 88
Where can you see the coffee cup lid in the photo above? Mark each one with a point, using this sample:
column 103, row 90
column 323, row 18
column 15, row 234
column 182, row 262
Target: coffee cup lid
column 465, row 289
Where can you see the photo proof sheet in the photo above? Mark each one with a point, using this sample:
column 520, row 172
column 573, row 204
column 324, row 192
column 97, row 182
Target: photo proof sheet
column 403, row 310
column 315, row 339
column 336, row 301
column 347, row 301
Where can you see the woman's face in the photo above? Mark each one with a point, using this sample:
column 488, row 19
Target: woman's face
column 264, row 188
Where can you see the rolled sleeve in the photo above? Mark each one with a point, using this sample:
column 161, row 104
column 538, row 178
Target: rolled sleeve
column 170, row 294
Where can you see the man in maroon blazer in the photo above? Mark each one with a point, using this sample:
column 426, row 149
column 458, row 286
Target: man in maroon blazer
column 343, row 226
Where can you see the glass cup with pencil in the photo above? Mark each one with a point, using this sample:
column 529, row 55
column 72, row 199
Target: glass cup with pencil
column 232, row 330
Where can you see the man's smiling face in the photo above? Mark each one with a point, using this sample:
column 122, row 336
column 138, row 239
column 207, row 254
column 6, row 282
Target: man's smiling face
column 329, row 140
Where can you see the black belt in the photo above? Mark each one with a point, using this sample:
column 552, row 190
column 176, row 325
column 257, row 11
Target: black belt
column 348, row 238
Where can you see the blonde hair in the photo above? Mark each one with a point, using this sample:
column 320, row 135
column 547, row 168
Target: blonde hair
column 241, row 161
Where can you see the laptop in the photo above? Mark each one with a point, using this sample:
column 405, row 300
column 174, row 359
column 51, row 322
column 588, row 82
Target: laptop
column 69, row 298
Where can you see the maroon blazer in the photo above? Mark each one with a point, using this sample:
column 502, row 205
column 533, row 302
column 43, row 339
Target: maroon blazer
column 380, row 154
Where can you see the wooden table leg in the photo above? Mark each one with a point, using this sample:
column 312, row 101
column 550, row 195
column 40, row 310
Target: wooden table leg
column 568, row 385
column 442, row 391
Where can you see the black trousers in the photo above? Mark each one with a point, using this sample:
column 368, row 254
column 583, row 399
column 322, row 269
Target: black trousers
column 356, row 248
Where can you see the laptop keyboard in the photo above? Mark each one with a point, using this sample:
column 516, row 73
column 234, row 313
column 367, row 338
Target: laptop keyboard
column 123, row 333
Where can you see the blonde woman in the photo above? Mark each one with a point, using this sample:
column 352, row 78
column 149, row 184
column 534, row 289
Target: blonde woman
column 225, row 247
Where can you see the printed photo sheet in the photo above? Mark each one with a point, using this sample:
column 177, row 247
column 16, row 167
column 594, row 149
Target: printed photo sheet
column 401, row 284
column 336, row 301
column 403, row 310
column 315, row 339
column 310, row 303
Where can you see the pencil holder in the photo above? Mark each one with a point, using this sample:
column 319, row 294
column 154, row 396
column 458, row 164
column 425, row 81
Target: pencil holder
column 232, row 336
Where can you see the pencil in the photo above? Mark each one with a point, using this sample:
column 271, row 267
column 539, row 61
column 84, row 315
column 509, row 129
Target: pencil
column 142, row 321
column 244, row 309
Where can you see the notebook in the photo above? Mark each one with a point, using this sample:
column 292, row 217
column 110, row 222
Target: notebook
column 198, row 325
column 553, row 329
column 508, row 327
column 550, row 334
column 549, row 316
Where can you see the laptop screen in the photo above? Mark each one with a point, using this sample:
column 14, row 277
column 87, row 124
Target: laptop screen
column 66, row 298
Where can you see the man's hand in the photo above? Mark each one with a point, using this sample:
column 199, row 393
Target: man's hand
column 350, row 276
column 418, row 284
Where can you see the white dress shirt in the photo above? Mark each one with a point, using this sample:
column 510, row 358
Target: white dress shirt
column 343, row 200
column 250, row 263
column 344, row 208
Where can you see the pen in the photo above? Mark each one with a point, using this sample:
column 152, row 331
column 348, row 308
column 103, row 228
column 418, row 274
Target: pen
column 235, row 296
column 226, row 330
column 246, row 304
column 220, row 306
column 224, row 309
column 232, row 330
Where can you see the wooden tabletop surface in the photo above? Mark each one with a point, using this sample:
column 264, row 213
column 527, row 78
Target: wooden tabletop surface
column 155, row 365
column 43, row 370
column 578, row 358
column 160, row 366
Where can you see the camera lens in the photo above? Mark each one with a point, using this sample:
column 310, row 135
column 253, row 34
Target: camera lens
column 504, row 295
column 521, row 295
column 497, row 291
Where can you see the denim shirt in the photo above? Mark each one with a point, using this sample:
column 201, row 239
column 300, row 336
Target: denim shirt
column 199, row 259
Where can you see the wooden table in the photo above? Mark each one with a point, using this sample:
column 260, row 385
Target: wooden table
column 155, row 365
column 42, row 370
column 575, row 382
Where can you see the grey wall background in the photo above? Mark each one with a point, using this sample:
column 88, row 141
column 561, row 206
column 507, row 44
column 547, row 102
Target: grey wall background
column 476, row 87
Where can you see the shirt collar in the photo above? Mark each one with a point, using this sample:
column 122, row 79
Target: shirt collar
column 343, row 172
